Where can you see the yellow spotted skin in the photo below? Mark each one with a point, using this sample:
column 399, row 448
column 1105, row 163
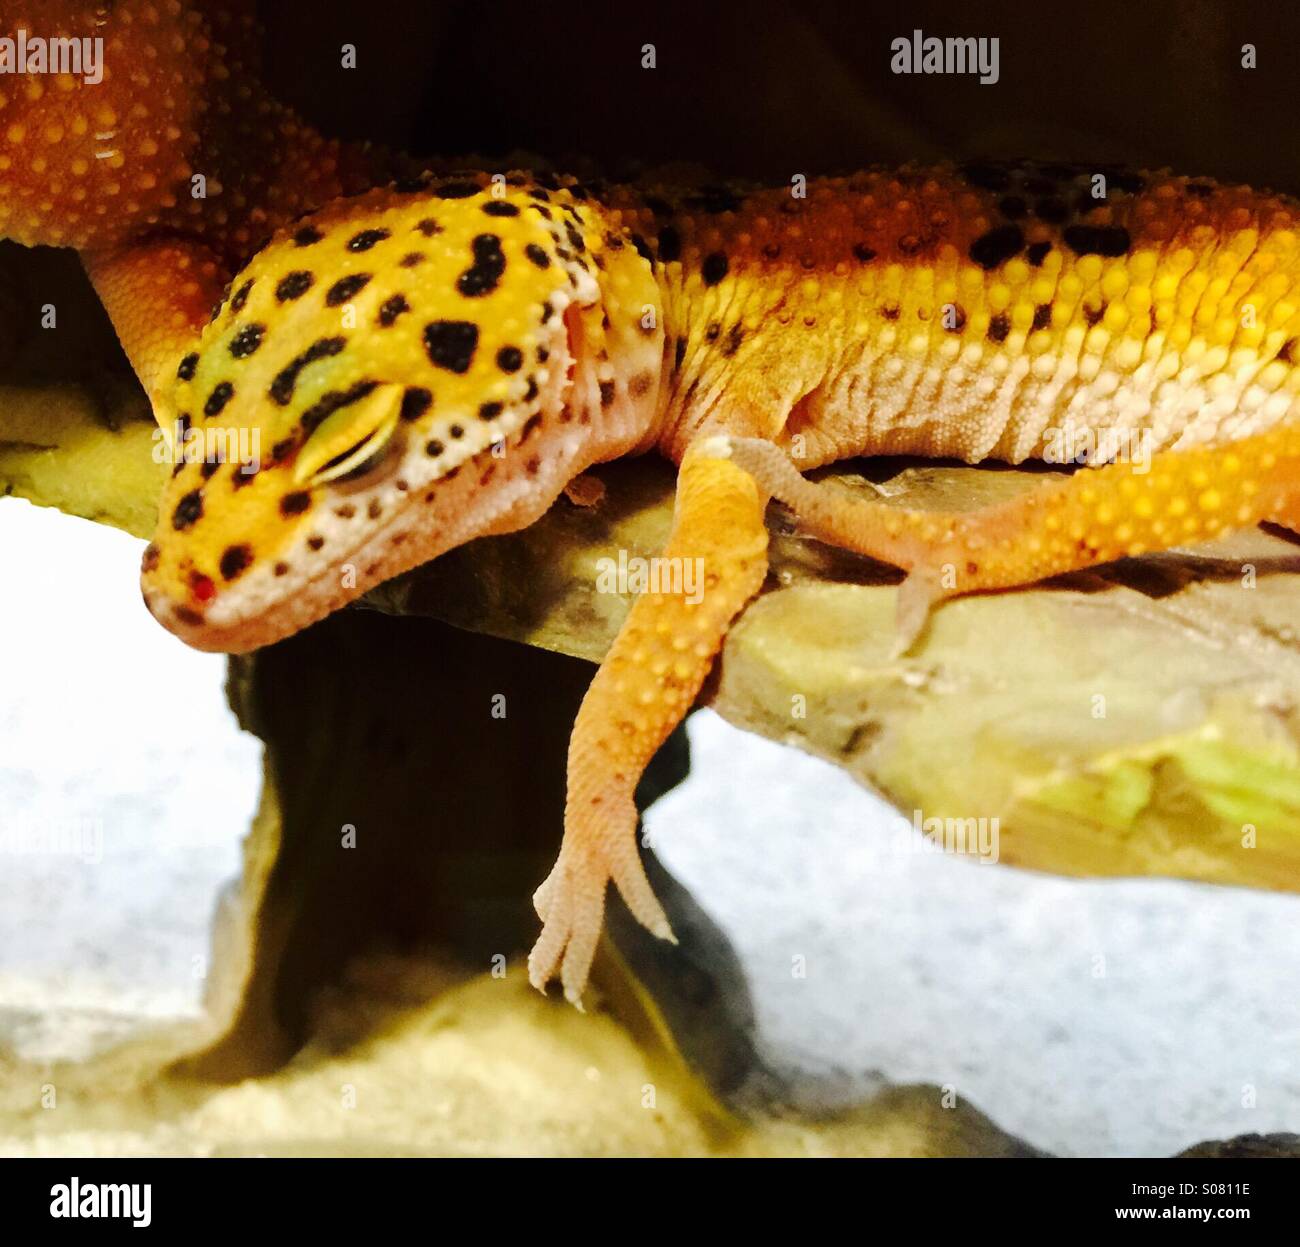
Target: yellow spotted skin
column 407, row 365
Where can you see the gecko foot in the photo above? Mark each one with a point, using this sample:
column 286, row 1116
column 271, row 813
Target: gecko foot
column 571, row 905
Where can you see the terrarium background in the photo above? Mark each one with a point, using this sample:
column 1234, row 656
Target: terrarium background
column 767, row 91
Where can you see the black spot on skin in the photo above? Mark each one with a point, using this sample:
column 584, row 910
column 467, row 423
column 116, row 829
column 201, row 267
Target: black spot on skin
column 189, row 510
column 315, row 542
column 241, row 296
column 531, row 392
column 576, row 240
column 345, row 288
column 451, row 344
column 240, row 478
column 547, row 311
column 306, row 236
column 537, row 255
column 1013, row 208
column 151, row 556
column 712, row 332
column 187, row 616
column 510, row 359
column 670, row 245
column 235, row 561
column 246, row 341
column 366, row 239
column 392, row 308
column 543, row 211
column 734, row 339
column 1036, row 253
column 986, row 176
column 281, row 390
column 428, row 227
column 332, row 401
column 186, row 370
column 542, row 355
column 999, row 327
column 295, row 503
column 643, row 248
column 489, row 411
column 1051, row 210
column 499, row 207
column 997, row 246
column 489, row 263
column 1287, row 351
column 434, row 448
column 863, row 253
column 640, row 385
column 679, row 353
column 415, row 402
column 294, row 285
column 531, row 425
column 282, row 569
column 456, row 190
column 209, row 469
column 412, row 258
column 714, row 268
column 221, row 394
column 958, row 319
column 606, row 393
column 1108, row 240
column 1093, row 314
column 890, row 311
column 1042, row 316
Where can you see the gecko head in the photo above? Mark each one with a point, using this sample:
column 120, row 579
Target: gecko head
column 386, row 379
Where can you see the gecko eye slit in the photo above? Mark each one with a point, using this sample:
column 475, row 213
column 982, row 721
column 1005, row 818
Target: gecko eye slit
column 363, row 463
column 358, row 440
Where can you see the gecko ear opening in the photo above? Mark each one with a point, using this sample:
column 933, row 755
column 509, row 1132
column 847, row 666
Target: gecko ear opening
column 352, row 442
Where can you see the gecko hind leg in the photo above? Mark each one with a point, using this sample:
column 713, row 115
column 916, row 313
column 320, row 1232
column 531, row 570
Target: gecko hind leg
column 714, row 563
column 1095, row 516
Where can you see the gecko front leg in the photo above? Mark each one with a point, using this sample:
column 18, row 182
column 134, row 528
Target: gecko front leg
column 717, row 557
column 1095, row 516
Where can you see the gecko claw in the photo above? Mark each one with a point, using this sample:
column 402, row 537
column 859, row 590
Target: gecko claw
column 917, row 595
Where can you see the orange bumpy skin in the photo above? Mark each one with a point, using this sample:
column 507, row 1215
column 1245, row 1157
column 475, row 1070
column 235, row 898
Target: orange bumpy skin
column 423, row 364
column 166, row 168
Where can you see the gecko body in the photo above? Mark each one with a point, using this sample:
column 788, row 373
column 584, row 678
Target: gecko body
column 435, row 359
